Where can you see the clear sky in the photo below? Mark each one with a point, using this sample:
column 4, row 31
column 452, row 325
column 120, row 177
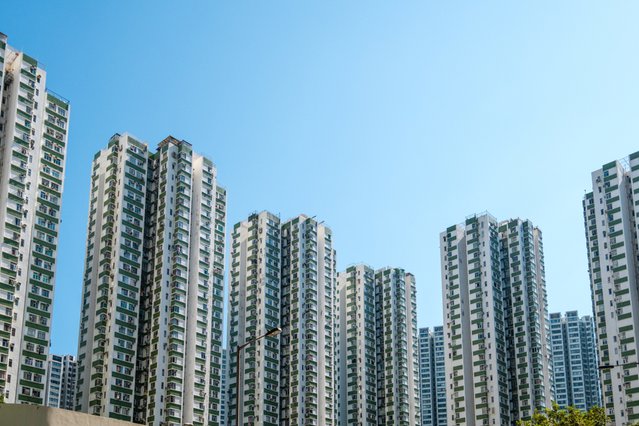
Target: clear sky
column 388, row 120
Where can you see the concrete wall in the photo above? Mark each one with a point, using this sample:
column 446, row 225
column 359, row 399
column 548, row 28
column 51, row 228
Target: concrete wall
column 34, row 415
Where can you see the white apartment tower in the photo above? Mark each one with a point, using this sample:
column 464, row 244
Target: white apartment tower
column 397, row 348
column 33, row 142
column 377, row 365
column 255, row 293
column 53, row 387
column 610, row 219
column 107, row 346
column 356, row 347
column 282, row 274
column 151, row 327
column 307, row 346
column 432, row 376
column 180, row 345
column 498, row 363
column 61, row 381
column 526, row 317
column 575, row 366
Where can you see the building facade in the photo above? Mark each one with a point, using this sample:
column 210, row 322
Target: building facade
column 307, row 346
column 61, row 382
column 611, row 227
column 109, row 323
column 282, row 274
column 575, row 366
column 498, row 364
column 255, row 300
column 33, row 141
column 377, row 347
column 432, row 376
column 224, row 388
column 356, row 347
column 397, row 348
column 150, row 346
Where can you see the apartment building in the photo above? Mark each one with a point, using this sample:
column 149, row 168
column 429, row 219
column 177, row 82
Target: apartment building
column 356, row 346
column 432, row 376
column 611, row 227
column 34, row 123
column 307, row 346
column 498, row 363
column 255, row 300
column 397, row 347
column 377, row 347
column 283, row 275
column 150, row 346
column 61, row 382
column 575, row 366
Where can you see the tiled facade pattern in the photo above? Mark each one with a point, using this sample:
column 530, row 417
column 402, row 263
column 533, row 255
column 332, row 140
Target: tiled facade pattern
column 611, row 225
column 432, row 372
column 61, row 382
column 150, row 346
column 34, row 124
column 575, row 367
column 496, row 331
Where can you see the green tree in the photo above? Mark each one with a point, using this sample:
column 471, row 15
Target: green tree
column 555, row 416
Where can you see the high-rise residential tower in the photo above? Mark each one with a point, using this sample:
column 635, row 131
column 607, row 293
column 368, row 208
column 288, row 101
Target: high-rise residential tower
column 526, row 317
column 33, row 141
column 377, row 365
column 109, row 322
column 150, row 347
column 180, row 346
column 307, row 346
column 397, row 348
column 282, row 274
column 53, row 387
column 498, row 364
column 432, row 376
column 611, row 236
column 61, row 382
column 575, row 365
column 255, row 299
column 356, row 347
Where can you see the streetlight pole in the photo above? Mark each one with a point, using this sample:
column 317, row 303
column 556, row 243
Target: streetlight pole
column 611, row 366
column 608, row 367
column 271, row 333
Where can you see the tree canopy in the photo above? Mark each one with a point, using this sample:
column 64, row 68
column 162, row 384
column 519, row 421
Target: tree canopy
column 571, row 416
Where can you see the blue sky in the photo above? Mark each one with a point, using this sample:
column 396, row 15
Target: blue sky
column 388, row 120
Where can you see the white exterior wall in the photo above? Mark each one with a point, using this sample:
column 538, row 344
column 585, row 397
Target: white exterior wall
column 473, row 322
column 33, row 140
column 575, row 367
column 203, row 332
column 307, row 378
column 61, row 381
column 459, row 396
column 611, row 225
column 112, row 277
column 355, row 343
column 432, row 377
column 255, row 309
column 69, row 382
column 498, row 366
column 412, row 352
column 161, row 362
column 526, row 318
column 396, row 339
column 53, row 392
